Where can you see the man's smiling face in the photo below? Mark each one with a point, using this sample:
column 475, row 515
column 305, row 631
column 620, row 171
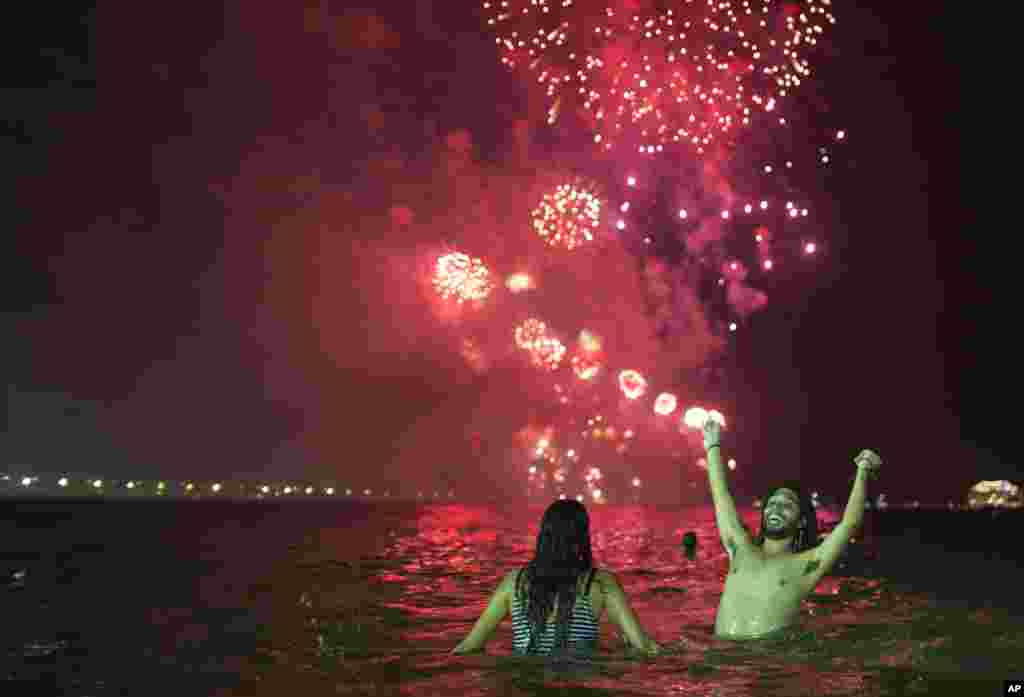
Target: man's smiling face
column 781, row 514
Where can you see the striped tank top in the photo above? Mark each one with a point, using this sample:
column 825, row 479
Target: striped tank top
column 582, row 624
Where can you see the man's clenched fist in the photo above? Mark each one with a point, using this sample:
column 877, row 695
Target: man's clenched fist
column 868, row 459
column 712, row 433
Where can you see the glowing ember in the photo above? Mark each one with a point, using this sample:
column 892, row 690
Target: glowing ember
column 632, row 384
column 474, row 355
column 585, row 367
column 694, row 417
column 665, row 404
column 589, row 341
column 518, row 282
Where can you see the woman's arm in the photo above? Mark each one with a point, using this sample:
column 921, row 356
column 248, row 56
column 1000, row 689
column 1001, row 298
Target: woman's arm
column 620, row 612
column 498, row 606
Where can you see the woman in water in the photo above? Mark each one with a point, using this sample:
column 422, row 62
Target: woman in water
column 558, row 598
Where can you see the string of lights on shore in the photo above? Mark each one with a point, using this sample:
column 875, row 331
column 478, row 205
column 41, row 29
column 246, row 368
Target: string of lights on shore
column 985, row 494
column 34, row 485
column 71, row 484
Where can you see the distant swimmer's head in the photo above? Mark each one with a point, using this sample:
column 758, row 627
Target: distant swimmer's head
column 690, row 545
column 788, row 514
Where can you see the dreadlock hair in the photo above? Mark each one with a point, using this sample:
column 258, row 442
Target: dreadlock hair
column 562, row 556
column 807, row 529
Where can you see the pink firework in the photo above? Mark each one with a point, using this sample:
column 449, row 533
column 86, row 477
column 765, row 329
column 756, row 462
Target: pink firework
column 589, row 341
column 474, row 355
column 569, row 216
column 658, row 73
column 588, row 359
column 459, row 276
column 547, row 353
column 632, row 384
column 586, row 366
column 518, row 282
column 665, row 404
column 694, row 417
column 530, row 331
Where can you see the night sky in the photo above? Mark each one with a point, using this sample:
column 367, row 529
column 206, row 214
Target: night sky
column 201, row 285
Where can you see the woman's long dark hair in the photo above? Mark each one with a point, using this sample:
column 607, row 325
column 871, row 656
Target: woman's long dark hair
column 807, row 531
column 562, row 556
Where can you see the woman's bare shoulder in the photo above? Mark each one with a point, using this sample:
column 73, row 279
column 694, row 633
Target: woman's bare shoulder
column 510, row 578
column 606, row 580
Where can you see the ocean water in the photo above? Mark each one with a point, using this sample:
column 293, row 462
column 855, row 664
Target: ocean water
column 348, row 598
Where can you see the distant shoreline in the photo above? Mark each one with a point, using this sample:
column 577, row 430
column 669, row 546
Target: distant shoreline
column 49, row 497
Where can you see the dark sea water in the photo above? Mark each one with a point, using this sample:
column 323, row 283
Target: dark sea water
column 348, row 598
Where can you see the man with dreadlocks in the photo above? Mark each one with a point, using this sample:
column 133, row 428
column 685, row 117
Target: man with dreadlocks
column 557, row 599
column 771, row 574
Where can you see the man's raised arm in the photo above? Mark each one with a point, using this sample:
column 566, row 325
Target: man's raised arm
column 821, row 558
column 854, row 512
column 730, row 528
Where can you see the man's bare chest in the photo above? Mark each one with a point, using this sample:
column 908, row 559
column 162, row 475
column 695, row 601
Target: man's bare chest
column 764, row 578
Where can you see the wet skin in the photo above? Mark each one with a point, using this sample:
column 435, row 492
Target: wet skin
column 763, row 590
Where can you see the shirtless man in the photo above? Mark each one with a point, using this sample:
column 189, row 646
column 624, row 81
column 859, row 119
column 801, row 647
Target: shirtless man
column 767, row 578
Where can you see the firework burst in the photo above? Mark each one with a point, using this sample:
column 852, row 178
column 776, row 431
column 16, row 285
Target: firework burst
column 665, row 404
column 569, row 216
column 588, row 358
column 461, row 277
column 519, row 282
column 632, row 384
column 530, row 331
column 660, row 73
column 547, row 353
column 585, row 366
